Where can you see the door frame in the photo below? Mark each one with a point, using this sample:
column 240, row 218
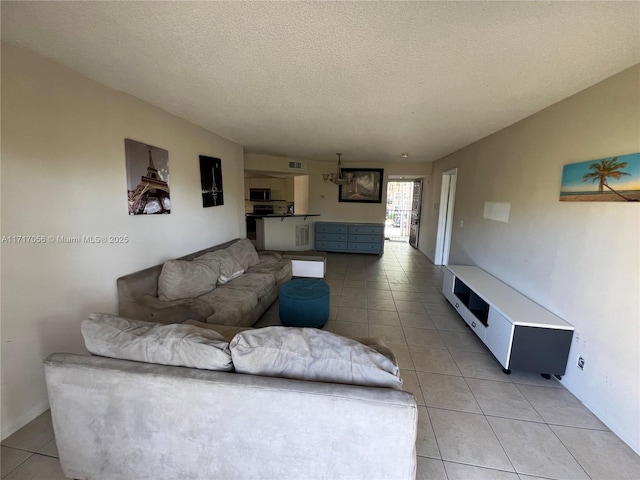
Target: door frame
column 418, row 211
column 445, row 217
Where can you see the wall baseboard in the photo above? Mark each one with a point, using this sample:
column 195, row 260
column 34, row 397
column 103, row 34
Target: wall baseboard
column 11, row 427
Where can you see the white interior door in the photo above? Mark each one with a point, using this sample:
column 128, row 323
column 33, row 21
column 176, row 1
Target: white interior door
column 445, row 218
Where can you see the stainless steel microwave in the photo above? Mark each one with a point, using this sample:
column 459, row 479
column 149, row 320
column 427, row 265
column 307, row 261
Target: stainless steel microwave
column 260, row 194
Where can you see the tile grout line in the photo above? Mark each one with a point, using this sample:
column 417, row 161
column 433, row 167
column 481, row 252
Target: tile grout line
column 449, row 350
column 486, row 419
column 569, row 450
column 31, row 454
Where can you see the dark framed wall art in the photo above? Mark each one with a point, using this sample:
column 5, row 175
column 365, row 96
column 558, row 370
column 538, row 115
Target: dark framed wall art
column 366, row 186
column 211, row 180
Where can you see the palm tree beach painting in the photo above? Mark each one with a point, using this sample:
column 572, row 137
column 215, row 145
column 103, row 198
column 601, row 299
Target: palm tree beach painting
column 611, row 179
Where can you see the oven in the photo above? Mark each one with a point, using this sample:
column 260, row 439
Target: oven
column 258, row 210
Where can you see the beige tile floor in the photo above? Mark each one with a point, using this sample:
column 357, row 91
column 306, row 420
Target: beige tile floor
column 475, row 422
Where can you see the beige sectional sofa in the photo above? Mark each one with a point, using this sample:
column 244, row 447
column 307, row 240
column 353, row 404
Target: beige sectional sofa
column 166, row 396
column 228, row 284
column 301, row 404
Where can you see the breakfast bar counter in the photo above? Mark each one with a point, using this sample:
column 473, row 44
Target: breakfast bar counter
column 282, row 215
column 284, row 232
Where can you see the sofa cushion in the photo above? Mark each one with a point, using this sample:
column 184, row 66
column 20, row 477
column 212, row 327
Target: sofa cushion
column 260, row 283
column 280, row 269
column 230, row 305
column 267, row 256
column 213, row 261
column 198, row 308
column 244, row 252
column 230, row 268
column 184, row 279
column 311, row 354
column 178, row 344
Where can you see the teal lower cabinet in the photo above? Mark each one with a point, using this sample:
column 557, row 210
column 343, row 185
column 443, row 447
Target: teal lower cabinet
column 349, row 237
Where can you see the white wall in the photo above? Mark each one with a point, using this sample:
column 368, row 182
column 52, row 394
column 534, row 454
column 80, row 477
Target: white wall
column 63, row 173
column 323, row 197
column 579, row 260
column 301, row 193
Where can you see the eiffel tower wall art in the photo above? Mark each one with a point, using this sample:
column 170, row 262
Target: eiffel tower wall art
column 211, row 178
column 147, row 179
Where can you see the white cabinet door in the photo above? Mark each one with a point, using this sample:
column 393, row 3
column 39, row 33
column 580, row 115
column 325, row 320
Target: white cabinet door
column 447, row 286
column 259, row 183
column 461, row 309
column 289, row 190
column 499, row 336
column 476, row 325
column 471, row 320
column 277, row 188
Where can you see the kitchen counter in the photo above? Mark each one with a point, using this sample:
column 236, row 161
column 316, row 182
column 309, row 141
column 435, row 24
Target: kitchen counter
column 273, row 233
column 282, row 215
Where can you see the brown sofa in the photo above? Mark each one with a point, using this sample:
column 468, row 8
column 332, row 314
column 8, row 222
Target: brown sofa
column 240, row 302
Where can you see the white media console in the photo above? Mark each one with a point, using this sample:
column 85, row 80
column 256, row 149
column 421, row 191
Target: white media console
column 520, row 333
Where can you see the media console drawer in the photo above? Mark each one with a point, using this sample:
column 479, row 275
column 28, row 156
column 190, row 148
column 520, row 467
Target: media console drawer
column 519, row 333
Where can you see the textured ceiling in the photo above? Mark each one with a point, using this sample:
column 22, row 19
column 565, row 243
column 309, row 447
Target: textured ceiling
column 308, row 79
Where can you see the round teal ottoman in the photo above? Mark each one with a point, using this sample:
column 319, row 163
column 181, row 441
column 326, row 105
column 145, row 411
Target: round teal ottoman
column 304, row 302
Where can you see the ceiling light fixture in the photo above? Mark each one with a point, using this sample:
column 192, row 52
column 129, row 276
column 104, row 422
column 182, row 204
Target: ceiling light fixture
column 338, row 178
column 405, row 155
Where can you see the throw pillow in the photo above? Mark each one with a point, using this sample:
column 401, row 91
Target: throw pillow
column 211, row 260
column 311, row 354
column 229, row 266
column 185, row 279
column 177, row 344
column 244, row 252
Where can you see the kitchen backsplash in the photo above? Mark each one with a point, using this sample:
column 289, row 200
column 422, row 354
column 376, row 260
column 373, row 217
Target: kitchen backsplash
column 280, row 207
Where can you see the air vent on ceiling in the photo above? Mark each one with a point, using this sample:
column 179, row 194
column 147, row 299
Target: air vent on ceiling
column 297, row 166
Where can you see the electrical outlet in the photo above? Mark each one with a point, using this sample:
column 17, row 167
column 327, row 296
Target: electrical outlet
column 580, row 362
column 608, row 380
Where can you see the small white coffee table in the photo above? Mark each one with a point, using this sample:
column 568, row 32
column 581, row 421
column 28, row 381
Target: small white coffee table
column 307, row 265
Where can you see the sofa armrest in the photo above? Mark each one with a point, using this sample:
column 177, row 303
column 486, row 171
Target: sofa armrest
column 151, row 309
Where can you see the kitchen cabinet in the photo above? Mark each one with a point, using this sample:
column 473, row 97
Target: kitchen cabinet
column 277, row 186
column 519, row 333
column 259, row 183
column 281, row 188
column 289, row 189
